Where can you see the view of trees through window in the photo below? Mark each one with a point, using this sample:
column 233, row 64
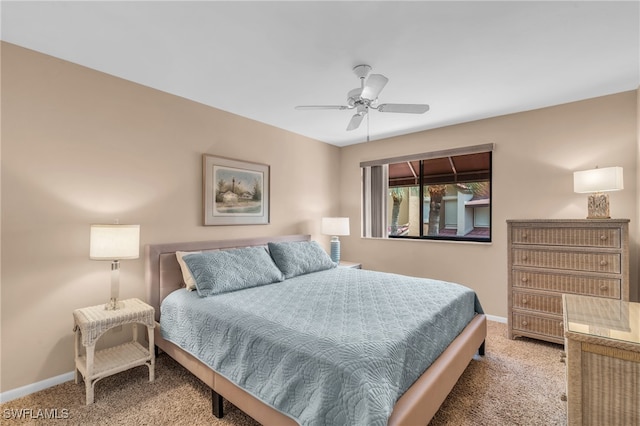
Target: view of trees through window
column 441, row 198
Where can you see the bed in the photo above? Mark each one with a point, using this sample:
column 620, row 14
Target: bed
column 415, row 405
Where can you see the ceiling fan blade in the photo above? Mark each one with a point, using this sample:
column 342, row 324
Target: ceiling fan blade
column 310, row 107
column 374, row 85
column 404, row 108
column 355, row 121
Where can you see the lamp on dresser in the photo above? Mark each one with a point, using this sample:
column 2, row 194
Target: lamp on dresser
column 335, row 226
column 596, row 182
column 115, row 243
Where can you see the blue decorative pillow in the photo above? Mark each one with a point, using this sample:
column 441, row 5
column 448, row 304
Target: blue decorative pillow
column 217, row 272
column 298, row 258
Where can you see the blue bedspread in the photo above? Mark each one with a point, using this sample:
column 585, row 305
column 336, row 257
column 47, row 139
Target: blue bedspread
column 336, row 347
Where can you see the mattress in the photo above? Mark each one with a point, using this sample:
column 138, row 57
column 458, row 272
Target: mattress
column 333, row 347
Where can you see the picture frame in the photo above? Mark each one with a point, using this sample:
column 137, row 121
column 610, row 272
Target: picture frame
column 234, row 192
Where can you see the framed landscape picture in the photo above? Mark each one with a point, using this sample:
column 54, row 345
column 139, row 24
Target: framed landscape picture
column 235, row 192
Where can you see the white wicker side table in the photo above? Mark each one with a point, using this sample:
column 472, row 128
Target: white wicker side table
column 91, row 323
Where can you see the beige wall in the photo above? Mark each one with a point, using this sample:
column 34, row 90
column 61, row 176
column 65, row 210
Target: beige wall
column 535, row 155
column 82, row 147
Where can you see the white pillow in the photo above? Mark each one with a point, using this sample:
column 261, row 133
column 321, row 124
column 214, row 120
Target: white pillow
column 189, row 282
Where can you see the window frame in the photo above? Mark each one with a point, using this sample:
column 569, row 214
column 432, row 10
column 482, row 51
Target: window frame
column 376, row 227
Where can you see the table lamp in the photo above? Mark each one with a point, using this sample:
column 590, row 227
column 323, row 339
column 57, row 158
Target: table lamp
column 596, row 182
column 114, row 243
column 335, row 226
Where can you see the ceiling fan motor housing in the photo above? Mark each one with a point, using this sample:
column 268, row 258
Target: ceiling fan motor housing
column 354, row 96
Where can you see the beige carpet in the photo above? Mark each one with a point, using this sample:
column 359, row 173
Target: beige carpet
column 518, row 382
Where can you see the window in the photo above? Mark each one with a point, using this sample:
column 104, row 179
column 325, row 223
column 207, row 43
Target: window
column 436, row 195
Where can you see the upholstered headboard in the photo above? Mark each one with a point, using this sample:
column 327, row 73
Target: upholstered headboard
column 162, row 271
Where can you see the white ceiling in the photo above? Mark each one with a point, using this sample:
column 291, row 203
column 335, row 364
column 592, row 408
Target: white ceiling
column 467, row 60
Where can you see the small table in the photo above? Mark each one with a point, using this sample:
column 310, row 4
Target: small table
column 602, row 342
column 347, row 264
column 92, row 322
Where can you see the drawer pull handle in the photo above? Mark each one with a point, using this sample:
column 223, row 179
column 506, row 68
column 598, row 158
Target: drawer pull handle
column 525, row 323
column 524, row 236
column 604, row 288
column 603, row 237
column 524, row 301
column 525, row 257
column 603, row 263
column 560, row 324
column 524, row 279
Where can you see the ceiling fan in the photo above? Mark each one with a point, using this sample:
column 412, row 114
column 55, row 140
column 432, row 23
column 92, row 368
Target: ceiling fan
column 366, row 96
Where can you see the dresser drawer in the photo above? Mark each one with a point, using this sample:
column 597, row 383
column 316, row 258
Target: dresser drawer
column 576, row 284
column 574, row 237
column 531, row 323
column 576, row 261
column 545, row 303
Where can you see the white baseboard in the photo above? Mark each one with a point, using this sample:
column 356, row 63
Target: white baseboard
column 35, row 387
column 497, row 319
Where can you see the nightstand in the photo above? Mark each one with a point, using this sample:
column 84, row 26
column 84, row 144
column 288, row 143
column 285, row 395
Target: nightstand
column 92, row 322
column 352, row 265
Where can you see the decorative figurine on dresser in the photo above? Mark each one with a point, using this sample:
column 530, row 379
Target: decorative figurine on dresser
column 547, row 258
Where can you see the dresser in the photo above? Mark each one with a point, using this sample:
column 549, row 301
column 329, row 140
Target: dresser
column 547, row 258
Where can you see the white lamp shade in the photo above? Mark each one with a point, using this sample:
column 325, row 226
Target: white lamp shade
column 598, row 180
column 335, row 225
column 114, row 242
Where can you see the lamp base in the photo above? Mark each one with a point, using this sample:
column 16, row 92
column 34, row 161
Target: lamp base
column 335, row 249
column 598, row 206
column 113, row 305
column 115, row 288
